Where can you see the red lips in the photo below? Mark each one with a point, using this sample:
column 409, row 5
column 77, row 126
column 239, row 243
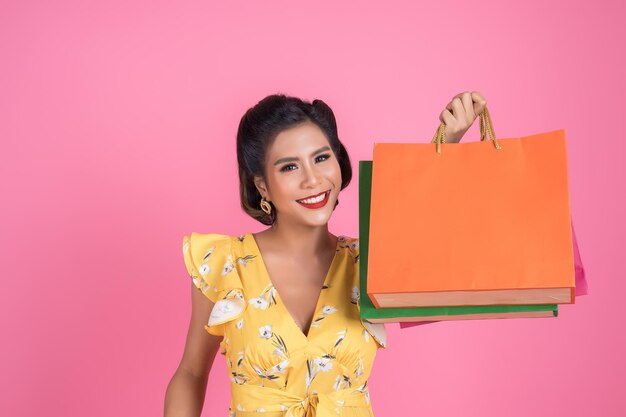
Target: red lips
column 318, row 204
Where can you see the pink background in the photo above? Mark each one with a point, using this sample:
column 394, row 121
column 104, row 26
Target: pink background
column 117, row 125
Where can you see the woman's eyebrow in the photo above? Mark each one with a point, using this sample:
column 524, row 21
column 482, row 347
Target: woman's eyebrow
column 291, row 158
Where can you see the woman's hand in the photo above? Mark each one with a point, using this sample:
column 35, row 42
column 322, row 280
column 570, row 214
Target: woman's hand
column 460, row 113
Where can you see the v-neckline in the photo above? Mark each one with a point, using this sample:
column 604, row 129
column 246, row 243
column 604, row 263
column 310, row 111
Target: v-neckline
column 319, row 297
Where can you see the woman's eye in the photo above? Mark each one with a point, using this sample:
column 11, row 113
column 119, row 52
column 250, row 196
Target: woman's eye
column 324, row 156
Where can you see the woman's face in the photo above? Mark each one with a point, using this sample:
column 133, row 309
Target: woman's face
column 299, row 164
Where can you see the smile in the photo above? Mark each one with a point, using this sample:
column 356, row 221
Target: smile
column 317, row 201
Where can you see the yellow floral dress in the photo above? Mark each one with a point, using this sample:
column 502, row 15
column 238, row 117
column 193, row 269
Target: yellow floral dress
column 275, row 369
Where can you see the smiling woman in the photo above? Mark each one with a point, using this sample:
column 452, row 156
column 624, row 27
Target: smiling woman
column 285, row 301
column 279, row 141
column 307, row 172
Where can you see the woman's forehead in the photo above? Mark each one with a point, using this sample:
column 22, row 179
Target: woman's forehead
column 299, row 140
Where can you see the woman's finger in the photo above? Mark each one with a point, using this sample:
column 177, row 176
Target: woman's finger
column 477, row 97
column 451, row 131
column 458, row 111
column 447, row 118
column 479, row 102
column 468, row 104
column 449, row 109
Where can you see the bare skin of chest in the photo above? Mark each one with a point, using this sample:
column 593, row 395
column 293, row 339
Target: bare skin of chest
column 299, row 285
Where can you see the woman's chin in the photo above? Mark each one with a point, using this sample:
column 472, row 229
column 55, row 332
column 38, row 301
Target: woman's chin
column 318, row 220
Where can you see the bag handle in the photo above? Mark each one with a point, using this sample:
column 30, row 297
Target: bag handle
column 485, row 129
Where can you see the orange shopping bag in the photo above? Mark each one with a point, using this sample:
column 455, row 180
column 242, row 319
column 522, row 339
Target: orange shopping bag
column 478, row 223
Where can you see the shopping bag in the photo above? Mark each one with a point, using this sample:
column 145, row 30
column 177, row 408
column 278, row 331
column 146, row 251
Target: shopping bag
column 423, row 315
column 478, row 223
column 580, row 279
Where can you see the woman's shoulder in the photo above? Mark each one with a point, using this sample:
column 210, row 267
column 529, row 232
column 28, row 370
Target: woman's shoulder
column 198, row 247
column 214, row 237
column 199, row 243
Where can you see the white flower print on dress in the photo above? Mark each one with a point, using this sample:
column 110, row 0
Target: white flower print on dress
column 228, row 266
column 280, row 345
column 310, row 374
column 239, row 324
column 317, row 321
column 328, row 309
column 204, row 269
column 208, row 253
column 266, row 331
column 342, row 381
column 359, row 370
column 266, row 299
column 323, row 364
column 340, row 338
column 271, row 295
column 239, row 378
column 337, row 383
column 259, row 303
column 245, row 260
column 203, row 285
column 280, row 367
column 265, row 374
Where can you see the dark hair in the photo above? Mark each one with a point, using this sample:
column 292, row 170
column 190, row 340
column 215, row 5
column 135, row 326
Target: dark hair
column 258, row 128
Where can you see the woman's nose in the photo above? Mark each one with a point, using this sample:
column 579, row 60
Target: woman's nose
column 312, row 177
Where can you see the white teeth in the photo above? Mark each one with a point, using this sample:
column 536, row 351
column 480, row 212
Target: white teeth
column 313, row 200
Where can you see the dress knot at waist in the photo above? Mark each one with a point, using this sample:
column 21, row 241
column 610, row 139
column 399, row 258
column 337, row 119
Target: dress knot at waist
column 317, row 404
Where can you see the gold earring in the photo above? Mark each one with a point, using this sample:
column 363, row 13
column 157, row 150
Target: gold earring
column 265, row 206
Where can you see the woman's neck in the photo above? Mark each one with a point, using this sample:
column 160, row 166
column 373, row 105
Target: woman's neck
column 301, row 241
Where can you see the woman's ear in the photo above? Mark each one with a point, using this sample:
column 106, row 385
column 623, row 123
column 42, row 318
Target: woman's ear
column 259, row 182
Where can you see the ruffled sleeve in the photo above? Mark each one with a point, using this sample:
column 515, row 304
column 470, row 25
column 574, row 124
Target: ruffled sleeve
column 209, row 262
column 377, row 331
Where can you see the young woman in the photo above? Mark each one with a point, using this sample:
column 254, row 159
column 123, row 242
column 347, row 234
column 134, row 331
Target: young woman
column 282, row 305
